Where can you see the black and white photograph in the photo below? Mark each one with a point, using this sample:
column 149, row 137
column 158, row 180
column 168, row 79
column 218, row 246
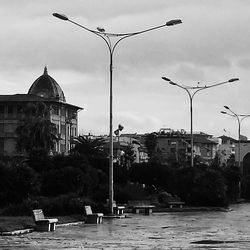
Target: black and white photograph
column 124, row 124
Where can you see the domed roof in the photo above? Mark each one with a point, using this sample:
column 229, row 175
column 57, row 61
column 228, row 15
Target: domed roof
column 45, row 86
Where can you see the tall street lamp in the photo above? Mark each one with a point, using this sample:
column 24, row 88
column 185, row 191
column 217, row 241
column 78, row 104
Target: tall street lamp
column 107, row 38
column 239, row 118
column 196, row 89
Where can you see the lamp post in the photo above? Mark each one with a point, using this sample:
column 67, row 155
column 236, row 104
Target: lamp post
column 191, row 95
column 107, row 38
column 117, row 133
column 239, row 118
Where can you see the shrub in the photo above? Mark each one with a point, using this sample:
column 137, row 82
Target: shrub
column 61, row 205
column 16, row 183
column 128, row 192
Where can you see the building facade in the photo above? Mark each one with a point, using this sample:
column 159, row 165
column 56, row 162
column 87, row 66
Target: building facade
column 176, row 146
column 44, row 89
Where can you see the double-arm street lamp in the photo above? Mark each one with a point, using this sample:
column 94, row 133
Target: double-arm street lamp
column 107, row 38
column 191, row 95
column 239, row 118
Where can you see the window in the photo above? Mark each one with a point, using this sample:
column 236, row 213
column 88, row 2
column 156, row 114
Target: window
column 19, row 109
column 10, row 109
column 1, row 146
column 55, row 110
column 1, row 127
column 1, row 109
column 63, row 148
column 63, row 129
column 63, row 111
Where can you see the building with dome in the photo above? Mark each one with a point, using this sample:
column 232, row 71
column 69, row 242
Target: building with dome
column 44, row 89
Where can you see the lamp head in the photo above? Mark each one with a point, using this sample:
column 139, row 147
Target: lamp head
column 226, row 107
column 120, row 127
column 233, row 80
column 60, row 16
column 173, row 22
column 223, row 112
column 166, row 79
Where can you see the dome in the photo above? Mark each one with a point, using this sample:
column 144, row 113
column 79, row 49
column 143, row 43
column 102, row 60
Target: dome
column 45, row 86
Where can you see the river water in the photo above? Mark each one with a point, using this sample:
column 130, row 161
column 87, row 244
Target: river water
column 175, row 230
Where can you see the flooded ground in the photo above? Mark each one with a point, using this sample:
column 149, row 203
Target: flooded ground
column 176, row 230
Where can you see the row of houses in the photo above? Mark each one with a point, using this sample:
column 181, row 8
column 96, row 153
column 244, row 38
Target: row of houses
column 175, row 145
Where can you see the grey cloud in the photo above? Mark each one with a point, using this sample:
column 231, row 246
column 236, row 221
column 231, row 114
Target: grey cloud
column 244, row 63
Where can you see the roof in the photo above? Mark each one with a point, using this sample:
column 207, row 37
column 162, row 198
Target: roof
column 46, row 86
column 25, row 98
column 20, row 98
column 224, row 137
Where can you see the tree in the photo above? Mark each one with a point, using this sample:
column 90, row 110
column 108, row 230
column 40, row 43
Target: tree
column 89, row 147
column 128, row 157
column 36, row 132
column 150, row 143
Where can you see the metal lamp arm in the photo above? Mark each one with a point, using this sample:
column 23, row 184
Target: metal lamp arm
column 217, row 84
column 100, row 34
column 210, row 86
column 245, row 116
column 106, row 36
column 131, row 33
column 126, row 35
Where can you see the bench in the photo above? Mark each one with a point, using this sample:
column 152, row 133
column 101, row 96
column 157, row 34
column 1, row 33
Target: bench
column 148, row 209
column 179, row 204
column 171, row 200
column 92, row 218
column 43, row 224
column 141, row 205
column 117, row 209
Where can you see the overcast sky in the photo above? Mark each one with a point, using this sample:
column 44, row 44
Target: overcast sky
column 212, row 45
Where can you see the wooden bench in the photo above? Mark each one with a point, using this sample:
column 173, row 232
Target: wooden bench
column 92, row 218
column 172, row 201
column 148, row 209
column 119, row 210
column 141, row 205
column 43, row 224
column 179, row 204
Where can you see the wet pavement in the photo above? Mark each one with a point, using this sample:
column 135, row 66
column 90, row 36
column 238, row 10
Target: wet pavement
column 175, row 230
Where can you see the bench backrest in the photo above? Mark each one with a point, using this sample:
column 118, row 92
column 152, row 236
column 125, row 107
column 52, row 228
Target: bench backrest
column 38, row 214
column 88, row 210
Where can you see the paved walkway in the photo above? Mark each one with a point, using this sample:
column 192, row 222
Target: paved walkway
column 179, row 230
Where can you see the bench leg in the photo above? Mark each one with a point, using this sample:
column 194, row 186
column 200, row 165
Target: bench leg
column 135, row 210
column 100, row 220
column 52, row 227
